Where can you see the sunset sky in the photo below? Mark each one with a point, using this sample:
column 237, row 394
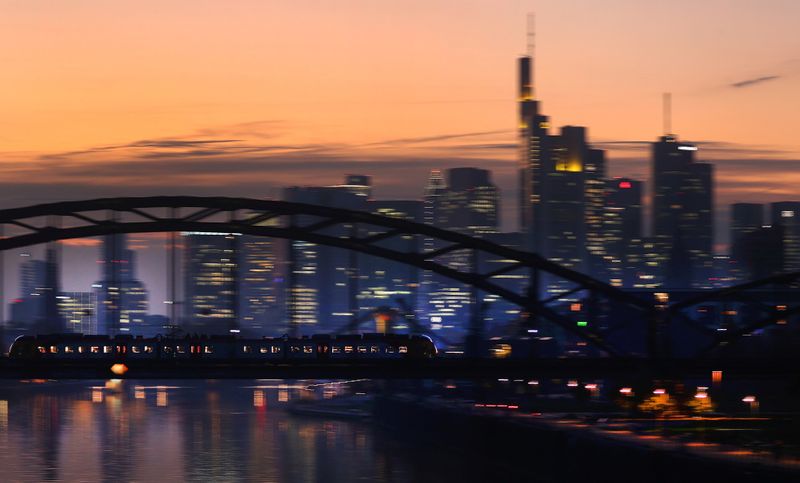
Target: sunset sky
column 103, row 98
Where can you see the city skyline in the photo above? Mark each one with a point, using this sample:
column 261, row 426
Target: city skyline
column 200, row 158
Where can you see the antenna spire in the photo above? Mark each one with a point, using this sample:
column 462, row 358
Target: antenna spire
column 667, row 113
column 531, row 34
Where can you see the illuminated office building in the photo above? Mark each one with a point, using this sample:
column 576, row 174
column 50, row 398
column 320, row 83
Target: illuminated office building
column 563, row 204
column 261, row 286
column 745, row 218
column 358, row 184
column 786, row 215
column 682, row 204
column 387, row 283
column 122, row 299
column 622, row 232
column 77, row 309
column 321, row 281
column 211, row 300
column 29, row 307
column 534, row 156
column 470, row 204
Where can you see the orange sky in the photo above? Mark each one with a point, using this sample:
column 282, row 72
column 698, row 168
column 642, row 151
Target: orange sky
column 99, row 98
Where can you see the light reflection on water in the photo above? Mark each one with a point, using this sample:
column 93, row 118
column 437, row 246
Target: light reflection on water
column 200, row 431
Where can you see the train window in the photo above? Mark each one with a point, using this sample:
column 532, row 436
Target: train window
column 246, row 349
column 68, row 349
column 107, row 349
column 276, row 349
column 94, row 349
column 53, row 349
column 374, row 349
column 362, row 349
column 264, row 350
column 295, row 348
column 148, row 349
column 389, row 349
column 308, row 349
column 42, row 349
column 167, row 350
column 135, row 349
column 180, row 349
column 348, row 349
column 336, row 349
column 81, row 349
column 208, row 349
column 403, row 349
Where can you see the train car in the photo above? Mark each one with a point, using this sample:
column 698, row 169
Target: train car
column 79, row 347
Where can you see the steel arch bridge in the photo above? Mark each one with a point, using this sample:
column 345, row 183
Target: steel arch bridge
column 358, row 231
column 782, row 289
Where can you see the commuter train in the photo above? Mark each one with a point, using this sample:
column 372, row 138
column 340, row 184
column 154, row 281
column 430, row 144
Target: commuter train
column 79, row 347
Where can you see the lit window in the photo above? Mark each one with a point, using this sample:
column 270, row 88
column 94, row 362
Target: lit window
column 362, row 349
column 276, row 349
column 263, row 350
column 68, row 350
column 336, row 349
column 180, row 349
column 135, row 349
column 53, row 349
column 390, row 350
column 295, row 349
column 403, row 349
column 246, row 349
column 374, row 349
column 208, row 349
column 167, row 350
column 81, row 349
column 107, row 349
column 95, row 349
column 348, row 349
column 42, row 349
column 308, row 349
column 148, row 349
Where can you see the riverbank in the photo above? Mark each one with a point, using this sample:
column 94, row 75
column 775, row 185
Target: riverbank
column 561, row 449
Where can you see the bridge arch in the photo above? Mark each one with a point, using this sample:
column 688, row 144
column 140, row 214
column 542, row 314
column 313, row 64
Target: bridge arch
column 281, row 219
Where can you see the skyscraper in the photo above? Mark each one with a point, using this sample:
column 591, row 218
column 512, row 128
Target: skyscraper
column 211, row 300
column 534, row 155
column 122, row 299
column 469, row 204
column 745, row 218
column 382, row 282
column 786, row 214
column 322, row 280
column 563, row 204
column 622, row 231
column 682, row 213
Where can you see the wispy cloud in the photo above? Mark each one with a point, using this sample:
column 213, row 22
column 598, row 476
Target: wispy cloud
column 754, row 81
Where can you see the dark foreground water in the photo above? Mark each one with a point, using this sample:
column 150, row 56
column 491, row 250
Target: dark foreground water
column 194, row 431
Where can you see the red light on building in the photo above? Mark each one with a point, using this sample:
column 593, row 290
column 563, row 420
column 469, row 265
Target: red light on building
column 624, row 185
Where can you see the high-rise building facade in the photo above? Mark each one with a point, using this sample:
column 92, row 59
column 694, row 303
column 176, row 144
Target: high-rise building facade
column 622, row 232
column 261, row 286
column 745, row 218
column 534, row 156
column 786, row 215
column 78, row 309
column 211, row 299
column 387, row 283
column 469, row 203
column 122, row 299
column 682, row 213
column 321, row 280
